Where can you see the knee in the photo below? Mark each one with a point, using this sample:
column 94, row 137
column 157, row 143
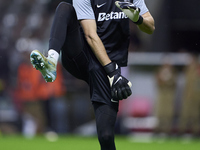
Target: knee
column 66, row 11
column 64, row 7
column 106, row 137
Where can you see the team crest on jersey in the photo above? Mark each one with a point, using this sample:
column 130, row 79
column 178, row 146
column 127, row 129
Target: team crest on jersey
column 109, row 16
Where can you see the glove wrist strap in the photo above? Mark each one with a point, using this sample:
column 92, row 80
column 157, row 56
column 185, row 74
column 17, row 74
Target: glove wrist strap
column 111, row 69
column 140, row 20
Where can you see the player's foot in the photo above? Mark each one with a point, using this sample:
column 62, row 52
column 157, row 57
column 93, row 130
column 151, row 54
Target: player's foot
column 46, row 65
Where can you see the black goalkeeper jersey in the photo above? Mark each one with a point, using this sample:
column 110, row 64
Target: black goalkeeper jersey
column 113, row 29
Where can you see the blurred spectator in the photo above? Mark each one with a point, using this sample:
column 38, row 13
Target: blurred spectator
column 8, row 115
column 166, row 82
column 33, row 96
column 190, row 110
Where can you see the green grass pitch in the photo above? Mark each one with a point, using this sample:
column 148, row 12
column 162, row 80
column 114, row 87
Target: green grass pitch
column 91, row 143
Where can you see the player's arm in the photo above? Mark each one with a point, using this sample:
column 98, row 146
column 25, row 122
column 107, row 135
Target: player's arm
column 89, row 28
column 120, row 86
column 147, row 25
column 145, row 22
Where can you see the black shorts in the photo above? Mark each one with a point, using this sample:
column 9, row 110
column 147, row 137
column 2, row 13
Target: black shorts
column 86, row 67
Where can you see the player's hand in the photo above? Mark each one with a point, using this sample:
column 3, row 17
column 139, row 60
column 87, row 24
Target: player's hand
column 130, row 10
column 120, row 86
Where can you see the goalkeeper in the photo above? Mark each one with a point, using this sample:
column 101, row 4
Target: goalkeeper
column 92, row 38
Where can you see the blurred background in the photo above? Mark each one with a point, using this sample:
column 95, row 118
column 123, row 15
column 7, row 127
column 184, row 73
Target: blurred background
column 163, row 68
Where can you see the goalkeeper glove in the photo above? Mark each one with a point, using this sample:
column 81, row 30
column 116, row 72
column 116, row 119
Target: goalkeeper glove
column 120, row 86
column 131, row 11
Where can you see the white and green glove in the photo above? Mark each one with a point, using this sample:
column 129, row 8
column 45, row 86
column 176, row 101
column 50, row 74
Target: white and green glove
column 131, row 11
column 120, row 86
